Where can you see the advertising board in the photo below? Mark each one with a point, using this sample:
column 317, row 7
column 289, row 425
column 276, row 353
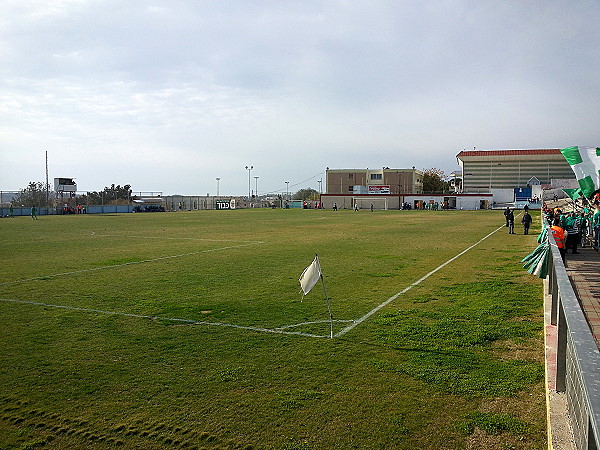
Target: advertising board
column 379, row 189
column 225, row 204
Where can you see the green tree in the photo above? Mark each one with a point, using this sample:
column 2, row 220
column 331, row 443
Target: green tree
column 306, row 194
column 113, row 195
column 35, row 194
column 435, row 180
column 456, row 184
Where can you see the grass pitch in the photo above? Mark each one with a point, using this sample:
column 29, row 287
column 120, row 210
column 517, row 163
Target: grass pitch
column 188, row 330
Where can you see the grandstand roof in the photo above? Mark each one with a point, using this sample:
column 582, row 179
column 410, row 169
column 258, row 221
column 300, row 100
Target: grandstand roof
column 549, row 151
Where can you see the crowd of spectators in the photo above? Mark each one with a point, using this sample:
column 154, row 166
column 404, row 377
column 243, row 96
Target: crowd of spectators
column 579, row 227
column 79, row 209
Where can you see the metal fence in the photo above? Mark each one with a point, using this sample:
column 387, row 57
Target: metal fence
column 577, row 359
column 95, row 209
column 24, row 211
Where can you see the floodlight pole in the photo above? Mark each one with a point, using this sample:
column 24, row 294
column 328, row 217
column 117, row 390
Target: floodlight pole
column 249, row 169
column 47, row 187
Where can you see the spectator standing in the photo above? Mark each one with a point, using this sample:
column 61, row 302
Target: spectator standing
column 558, row 233
column 526, row 221
column 34, row 212
column 572, row 225
column 557, row 212
column 506, row 214
column 596, row 227
column 585, row 228
column 510, row 221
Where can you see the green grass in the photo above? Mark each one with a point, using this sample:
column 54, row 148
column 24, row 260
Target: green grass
column 455, row 361
column 494, row 423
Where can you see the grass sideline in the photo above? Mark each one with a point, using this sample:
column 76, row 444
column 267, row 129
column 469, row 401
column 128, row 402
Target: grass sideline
column 456, row 362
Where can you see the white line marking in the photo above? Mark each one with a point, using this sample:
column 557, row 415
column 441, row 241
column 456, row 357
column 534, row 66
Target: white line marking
column 279, row 330
column 312, row 323
column 408, row 288
column 170, row 319
column 92, row 233
column 112, row 266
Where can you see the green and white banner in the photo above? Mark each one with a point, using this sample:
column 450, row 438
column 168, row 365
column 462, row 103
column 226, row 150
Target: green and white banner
column 585, row 162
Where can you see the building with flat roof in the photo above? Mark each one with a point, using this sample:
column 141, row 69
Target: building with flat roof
column 373, row 181
column 484, row 170
column 407, row 201
column 387, row 188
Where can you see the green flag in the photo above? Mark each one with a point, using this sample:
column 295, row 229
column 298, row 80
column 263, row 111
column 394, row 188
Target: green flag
column 573, row 193
column 585, row 162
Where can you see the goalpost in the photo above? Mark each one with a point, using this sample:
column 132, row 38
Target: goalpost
column 365, row 203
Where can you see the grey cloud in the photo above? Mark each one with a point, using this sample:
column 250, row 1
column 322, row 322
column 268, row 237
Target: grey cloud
column 291, row 87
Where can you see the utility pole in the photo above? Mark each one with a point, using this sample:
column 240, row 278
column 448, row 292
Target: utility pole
column 47, row 185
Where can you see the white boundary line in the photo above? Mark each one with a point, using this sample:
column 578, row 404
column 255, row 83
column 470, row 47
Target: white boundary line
column 93, row 233
column 311, row 323
column 279, row 330
column 170, row 319
column 408, row 288
column 112, row 266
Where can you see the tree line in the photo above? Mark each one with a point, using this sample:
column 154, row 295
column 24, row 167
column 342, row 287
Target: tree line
column 40, row 194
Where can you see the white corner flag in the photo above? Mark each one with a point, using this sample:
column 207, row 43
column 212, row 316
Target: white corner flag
column 585, row 162
column 310, row 276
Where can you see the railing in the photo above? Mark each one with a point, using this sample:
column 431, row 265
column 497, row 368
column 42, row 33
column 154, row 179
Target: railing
column 577, row 358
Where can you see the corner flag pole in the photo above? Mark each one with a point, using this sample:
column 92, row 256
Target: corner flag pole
column 308, row 280
column 328, row 308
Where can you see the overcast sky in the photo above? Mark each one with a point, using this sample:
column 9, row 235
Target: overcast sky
column 169, row 95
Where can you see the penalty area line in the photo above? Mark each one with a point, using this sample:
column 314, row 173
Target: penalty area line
column 167, row 319
column 409, row 287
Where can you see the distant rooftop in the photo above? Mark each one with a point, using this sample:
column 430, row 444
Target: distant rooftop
column 548, row 151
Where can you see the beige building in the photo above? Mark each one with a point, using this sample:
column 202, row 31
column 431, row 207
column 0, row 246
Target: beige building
column 374, row 181
column 407, row 201
column 484, row 170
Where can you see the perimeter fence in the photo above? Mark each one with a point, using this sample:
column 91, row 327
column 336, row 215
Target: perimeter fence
column 577, row 356
column 98, row 209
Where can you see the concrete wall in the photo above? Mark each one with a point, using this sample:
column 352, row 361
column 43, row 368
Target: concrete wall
column 503, row 195
column 347, row 201
column 456, row 201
